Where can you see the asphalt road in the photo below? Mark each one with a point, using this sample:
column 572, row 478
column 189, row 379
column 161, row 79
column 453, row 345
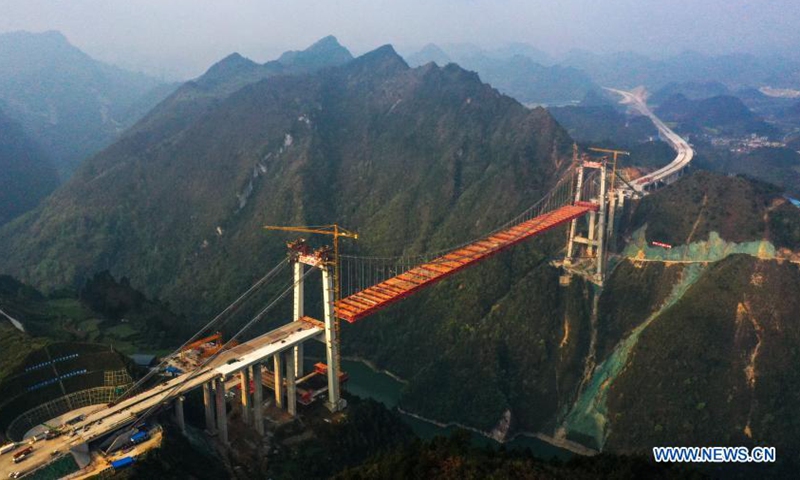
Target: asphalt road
column 685, row 153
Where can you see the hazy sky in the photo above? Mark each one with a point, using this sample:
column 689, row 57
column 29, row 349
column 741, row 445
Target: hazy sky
column 181, row 38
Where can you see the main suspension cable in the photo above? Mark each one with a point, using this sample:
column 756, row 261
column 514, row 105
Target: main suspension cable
column 228, row 310
column 200, row 368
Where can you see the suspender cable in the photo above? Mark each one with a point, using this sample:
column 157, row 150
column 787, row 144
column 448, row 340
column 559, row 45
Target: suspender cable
column 224, row 313
column 197, row 370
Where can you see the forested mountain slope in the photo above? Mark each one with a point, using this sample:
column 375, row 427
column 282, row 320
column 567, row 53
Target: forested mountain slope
column 413, row 158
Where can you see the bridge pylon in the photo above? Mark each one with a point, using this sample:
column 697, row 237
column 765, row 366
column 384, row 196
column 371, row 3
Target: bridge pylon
column 322, row 259
column 587, row 239
column 327, row 261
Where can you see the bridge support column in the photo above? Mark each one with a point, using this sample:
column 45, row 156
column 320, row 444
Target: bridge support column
column 612, row 210
column 601, row 227
column 298, row 360
column 278, row 367
column 574, row 223
column 298, row 290
column 245, row 386
column 335, row 402
column 222, row 415
column 179, row 418
column 592, row 223
column 295, row 362
column 291, row 384
column 208, row 403
column 258, row 399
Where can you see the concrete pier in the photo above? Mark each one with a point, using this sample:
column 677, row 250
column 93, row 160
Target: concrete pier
column 299, row 311
column 278, row 366
column 298, row 290
column 208, row 403
column 331, row 343
column 245, row 387
column 291, row 384
column 179, row 417
column 298, row 360
column 258, row 399
column 222, row 416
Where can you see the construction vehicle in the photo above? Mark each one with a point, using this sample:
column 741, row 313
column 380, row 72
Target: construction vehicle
column 123, row 462
column 8, row 448
column 139, row 437
column 22, row 454
column 207, row 346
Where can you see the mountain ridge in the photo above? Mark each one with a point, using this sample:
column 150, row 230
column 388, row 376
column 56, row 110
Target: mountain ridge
column 28, row 175
column 518, row 70
column 305, row 149
column 69, row 103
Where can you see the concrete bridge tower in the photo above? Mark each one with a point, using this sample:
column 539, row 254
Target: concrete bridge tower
column 586, row 242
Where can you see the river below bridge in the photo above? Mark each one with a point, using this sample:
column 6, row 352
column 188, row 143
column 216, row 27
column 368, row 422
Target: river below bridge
column 368, row 383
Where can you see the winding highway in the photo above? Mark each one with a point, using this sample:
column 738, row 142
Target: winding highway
column 685, row 153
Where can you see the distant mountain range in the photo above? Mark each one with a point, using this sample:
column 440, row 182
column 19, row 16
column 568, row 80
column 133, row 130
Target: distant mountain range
column 431, row 52
column 417, row 158
column 690, row 90
column 516, row 70
column 721, row 115
column 26, row 173
column 69, row 103
column 197, row 97
column 629, row 70
column 532, row 76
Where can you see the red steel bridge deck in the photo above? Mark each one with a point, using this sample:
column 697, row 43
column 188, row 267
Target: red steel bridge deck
column 372, row 299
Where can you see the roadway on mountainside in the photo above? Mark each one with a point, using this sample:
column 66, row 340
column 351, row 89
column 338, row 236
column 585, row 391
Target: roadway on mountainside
column 13, row 321
column 685, row 153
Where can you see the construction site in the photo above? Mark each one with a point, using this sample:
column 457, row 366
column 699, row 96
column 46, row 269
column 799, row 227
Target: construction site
column 230, row 372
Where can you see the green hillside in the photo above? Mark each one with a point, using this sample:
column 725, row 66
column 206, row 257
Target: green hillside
column 451, row 458
column 604, row 123
column 720, row 115
column 723, row 357
column 737, row 208
column 102, row 311
column 80, row 335
column 28, row 174
column 181, row 215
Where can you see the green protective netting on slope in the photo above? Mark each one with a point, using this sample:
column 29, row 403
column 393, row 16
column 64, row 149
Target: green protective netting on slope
column 711, row 250
column 588, row 414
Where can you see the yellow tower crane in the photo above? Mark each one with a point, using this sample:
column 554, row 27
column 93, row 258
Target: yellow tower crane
column 614, row 154
column 334, row 231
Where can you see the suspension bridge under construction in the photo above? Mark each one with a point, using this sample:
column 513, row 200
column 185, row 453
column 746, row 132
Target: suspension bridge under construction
column 584, row 200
